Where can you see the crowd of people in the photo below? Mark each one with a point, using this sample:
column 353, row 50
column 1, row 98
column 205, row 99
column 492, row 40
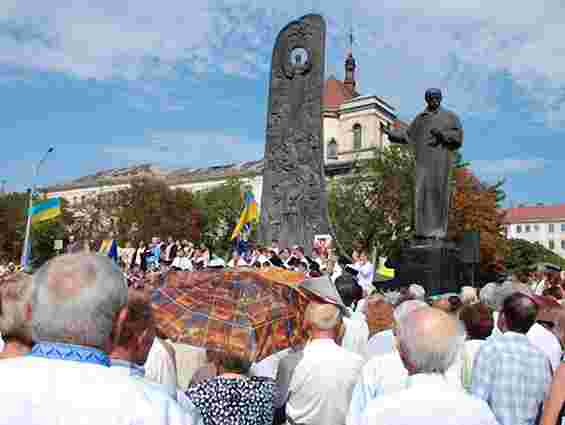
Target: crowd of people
column 79, row 346
column 182, row 255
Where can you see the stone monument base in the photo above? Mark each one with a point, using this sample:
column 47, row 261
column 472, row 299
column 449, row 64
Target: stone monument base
column 435, row 265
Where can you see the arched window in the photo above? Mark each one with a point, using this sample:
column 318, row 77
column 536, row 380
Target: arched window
column 357, row 136
column 332, row 149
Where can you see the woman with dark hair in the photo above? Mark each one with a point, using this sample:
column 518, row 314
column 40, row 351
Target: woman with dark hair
column 232, row 397
column 478, row 322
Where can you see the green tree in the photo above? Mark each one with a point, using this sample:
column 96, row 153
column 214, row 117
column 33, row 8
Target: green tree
column 13, row 219
column 150, row 208
column 523, row 255
column 373, row 206
column 12, row 215
column 220, row 209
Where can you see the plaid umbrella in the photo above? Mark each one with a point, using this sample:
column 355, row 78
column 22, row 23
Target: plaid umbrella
column 252, row 313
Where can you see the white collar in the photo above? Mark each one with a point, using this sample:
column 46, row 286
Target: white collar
column 427, row 380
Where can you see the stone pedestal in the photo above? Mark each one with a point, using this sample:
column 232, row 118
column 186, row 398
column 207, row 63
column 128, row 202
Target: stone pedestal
column 435, row 265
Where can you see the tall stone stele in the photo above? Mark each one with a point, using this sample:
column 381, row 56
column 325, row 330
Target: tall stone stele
column 294, row 204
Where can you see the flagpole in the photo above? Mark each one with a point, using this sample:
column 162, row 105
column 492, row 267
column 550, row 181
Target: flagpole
column 26, row 249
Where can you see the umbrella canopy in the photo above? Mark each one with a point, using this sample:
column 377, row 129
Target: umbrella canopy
column 246, row 312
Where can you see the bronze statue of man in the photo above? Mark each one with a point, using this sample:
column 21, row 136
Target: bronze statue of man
column 436, row 134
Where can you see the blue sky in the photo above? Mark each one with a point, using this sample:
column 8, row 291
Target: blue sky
column 184, row 83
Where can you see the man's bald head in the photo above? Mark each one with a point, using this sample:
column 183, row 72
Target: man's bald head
column 322, row 317
column 519, row 312
column 430, row 340
column 76, row 299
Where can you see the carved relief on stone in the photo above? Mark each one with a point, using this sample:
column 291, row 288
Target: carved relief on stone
column 294, row 201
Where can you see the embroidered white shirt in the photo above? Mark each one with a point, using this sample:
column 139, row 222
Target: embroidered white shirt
column 45, row 391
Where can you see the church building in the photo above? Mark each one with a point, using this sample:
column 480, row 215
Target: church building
column 352, row 131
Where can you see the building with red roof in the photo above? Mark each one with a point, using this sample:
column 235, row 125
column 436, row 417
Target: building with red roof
column 352, row 122
column 538, row 223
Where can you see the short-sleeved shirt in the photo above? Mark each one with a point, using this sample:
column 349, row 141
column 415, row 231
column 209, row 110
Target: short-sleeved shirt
column 512, row 376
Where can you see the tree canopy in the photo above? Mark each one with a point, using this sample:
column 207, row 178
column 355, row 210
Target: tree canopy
column 524, row 255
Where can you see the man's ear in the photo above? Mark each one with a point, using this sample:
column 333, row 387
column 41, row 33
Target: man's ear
column 408, row 365
column 121, row 318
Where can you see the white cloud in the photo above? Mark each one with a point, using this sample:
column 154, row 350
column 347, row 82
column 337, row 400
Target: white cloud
column 498, row 168
column 403, row 46
column 187, row 149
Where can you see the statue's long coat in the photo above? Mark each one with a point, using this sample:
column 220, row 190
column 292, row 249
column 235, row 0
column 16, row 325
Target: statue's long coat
column 433, row 168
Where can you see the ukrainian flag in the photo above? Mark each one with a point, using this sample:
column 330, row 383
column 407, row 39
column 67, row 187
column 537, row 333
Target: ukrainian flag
column 109, row 247
column 248, row 215
column 45, row 210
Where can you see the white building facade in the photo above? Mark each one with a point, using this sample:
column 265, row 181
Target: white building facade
column 540, row 223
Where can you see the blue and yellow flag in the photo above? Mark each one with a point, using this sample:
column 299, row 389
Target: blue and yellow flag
column 45, row 210
column 109, row 247
column 248, row 215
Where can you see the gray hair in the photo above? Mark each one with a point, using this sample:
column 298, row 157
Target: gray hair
column 468, row 295
column 417, row 291
column 15, row 294
column 76, row 299
column 392, row 297
column 323, row 316
column 487, row 295
column 407, row 307
column 506, row 289
column 431, row 340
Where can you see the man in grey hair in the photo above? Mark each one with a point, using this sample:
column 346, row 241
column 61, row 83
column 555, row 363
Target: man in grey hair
column 384, row 372
column 417, row 292
column 429, row 343
column 79, row 306
column 316, row 383
column 15, row 315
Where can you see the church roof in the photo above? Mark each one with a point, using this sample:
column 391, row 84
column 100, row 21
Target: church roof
column 336, row 93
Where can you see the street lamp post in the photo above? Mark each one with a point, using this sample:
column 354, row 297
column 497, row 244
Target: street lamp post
column 27, row 241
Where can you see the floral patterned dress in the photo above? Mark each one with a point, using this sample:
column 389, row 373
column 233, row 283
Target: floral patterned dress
column 234, row 401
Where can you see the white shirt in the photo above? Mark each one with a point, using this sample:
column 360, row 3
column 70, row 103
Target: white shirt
column 356, row 334
column 268, row 367
column 189, row 359
column 546, row 342
column 321, row 385
column 470, row 350
column 45, row 391
column 161, row 367
column 182, row 263
column 337, row 272
column 428, row 400
column 538, row 287
column 365, row 276
column 381, row 343
column 495, row 330
column 385, row 375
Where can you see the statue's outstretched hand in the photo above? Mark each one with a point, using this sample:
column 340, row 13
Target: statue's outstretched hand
column 439, row 138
